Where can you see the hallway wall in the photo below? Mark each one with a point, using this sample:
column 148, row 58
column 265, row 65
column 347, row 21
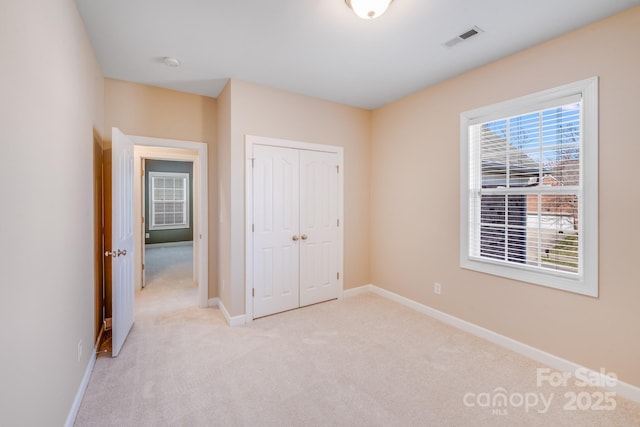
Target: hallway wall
column 161, row 113
column 252, row 109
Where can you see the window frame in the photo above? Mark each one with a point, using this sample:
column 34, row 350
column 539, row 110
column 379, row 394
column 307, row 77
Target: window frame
column 584, row 282
column 152, row 201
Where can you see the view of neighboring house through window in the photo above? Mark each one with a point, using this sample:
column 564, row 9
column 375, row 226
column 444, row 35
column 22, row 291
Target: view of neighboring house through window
column 169, row 201
column 529, row 173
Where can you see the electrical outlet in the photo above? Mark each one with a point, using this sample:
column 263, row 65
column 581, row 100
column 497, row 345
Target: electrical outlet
column 146, row 235
column 79, row 350
column 437, row 288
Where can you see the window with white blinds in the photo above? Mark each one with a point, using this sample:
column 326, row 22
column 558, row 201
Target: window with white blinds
column 529, row 188
column 169, row 200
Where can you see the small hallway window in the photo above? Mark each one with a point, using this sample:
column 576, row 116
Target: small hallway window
column 169, row 202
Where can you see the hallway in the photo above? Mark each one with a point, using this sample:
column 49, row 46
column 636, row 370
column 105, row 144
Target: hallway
column 169, row 280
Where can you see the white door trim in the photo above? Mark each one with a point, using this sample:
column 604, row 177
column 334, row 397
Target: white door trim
column 250, row 141
column 172, row 149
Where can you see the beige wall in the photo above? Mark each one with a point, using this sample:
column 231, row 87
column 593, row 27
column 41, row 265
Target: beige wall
column 50, row 105
column 161, row 113
column 415, row 201
column 224, row 197
column 261, row 111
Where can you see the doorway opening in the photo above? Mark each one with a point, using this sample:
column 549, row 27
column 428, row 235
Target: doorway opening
column 124, row 223
column 183, row 244
column 167, row 210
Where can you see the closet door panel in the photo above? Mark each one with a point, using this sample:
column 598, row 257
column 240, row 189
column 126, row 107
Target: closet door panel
column 276, row 230
column 318, row 227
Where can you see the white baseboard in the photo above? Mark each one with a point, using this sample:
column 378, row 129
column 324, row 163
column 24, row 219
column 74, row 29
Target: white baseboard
column 75, row 407
column 213, row 302
column 621, row 388
column 231, row 321
column 168, row 244
column 359, row 290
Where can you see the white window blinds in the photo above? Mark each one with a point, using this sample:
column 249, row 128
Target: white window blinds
column 525, row 188
column 169, row 200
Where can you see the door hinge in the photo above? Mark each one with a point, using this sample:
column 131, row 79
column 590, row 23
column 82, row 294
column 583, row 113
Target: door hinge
column 143, row 220
column 338, row 168
column 253, row 228
column 338, row 222
column 253, row 162
column 143, row 266
column 338, row 275
column 253, row 292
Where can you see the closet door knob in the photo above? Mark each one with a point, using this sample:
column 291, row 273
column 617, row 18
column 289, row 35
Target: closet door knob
column 294, row 238
column 304, row 237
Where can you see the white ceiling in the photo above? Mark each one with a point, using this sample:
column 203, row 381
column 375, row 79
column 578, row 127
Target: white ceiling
column 319, row 47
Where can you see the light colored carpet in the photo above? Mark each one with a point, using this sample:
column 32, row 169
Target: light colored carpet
column 362, row 361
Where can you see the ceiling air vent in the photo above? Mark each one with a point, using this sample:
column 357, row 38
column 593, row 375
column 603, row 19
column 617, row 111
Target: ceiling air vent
column 472, row 32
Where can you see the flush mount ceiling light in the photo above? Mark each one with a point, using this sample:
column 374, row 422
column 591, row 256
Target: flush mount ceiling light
column 368, row 9
column 170, row 62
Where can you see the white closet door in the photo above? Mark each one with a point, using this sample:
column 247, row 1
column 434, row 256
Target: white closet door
column 276, row 230
column 318, row 227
